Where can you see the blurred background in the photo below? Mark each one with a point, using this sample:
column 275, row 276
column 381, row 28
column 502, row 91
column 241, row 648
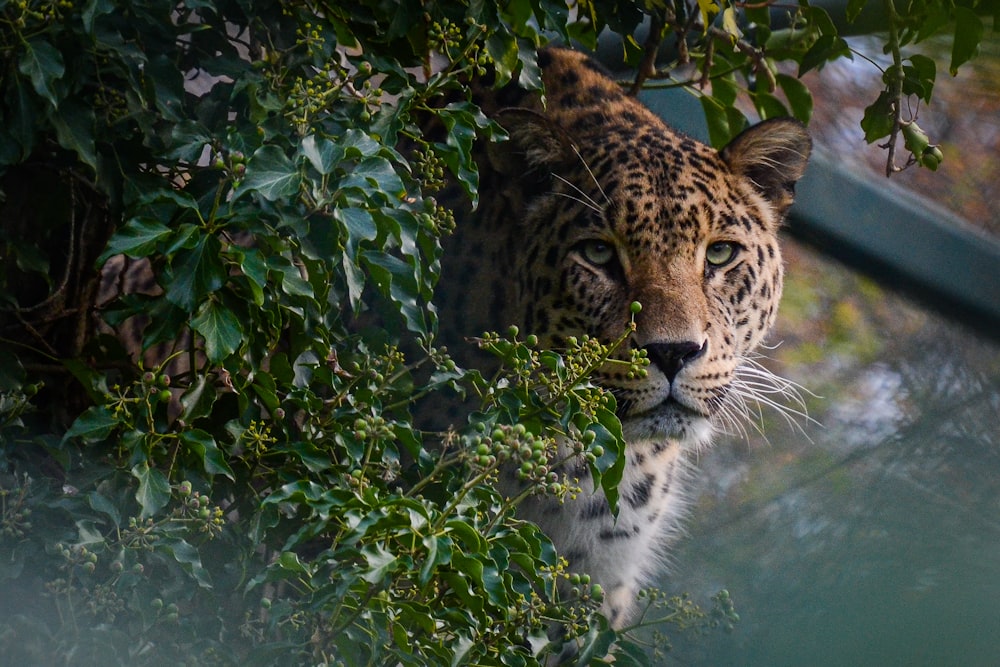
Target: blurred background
column 869, row 533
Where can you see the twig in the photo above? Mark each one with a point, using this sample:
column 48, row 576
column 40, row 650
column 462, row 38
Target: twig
column 895, row 88
column 647, row 68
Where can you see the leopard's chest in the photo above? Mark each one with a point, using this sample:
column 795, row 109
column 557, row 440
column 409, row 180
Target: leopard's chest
column 620, row 552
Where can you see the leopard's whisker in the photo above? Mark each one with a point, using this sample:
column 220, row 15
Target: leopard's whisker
column 586, row 202
column 593, row 177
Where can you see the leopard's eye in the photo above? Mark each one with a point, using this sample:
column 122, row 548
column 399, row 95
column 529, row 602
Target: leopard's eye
column 598, row 253
column 720, row 253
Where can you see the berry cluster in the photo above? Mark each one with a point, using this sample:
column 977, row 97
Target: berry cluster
column 429, row 168
column 28, row 13
column 534, row 458
column 198, row 508
column 460, row 46
column 14, row 512
column 440, row 222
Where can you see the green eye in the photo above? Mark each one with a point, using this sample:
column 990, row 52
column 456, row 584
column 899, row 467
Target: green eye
column 597, row 252
column 720, row 253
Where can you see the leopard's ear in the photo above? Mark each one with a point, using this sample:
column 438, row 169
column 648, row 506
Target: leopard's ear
column 535, row 143
column 773, row 155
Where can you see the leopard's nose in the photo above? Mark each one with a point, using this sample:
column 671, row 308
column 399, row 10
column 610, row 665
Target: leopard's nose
column 670, row 358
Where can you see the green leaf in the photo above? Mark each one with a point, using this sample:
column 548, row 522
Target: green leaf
column 854, row 8
column 292, row 282
column 74, row 124
column 196, row 273
column 608, row 469
column 22, row 117
column 94, row 9
column 154, row 490
column 397, row 279
column 323, row 154
column 105, row 506
column 357, row 144
column 358, row 225
column 768, row 106
column 198, row 399
column 220, row 328
column 968, row 34
column 824, row 49
column 43, row 64
column 375, row 174
column 878, row 118
column 254, row 267
column 94, row 425
column 138, row 238
column 289, row 560
column 270, row 173
column 798, row 95
column 203, row 445
column 724, row 122
column 187, row 557
column 380, row 561
column 502, row 48
column 920, row 76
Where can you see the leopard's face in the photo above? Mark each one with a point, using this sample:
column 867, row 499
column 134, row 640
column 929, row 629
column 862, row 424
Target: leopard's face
column 595, row 204
column 668, row 225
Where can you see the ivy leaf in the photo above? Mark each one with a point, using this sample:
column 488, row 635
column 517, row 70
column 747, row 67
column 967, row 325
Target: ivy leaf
column 154, row 490
column 380, row 562
column 375, row 174
column 396, row 278
column 768, row 106
column 43, row 64
column 919, row 77
column 358, row 225
column 292, row 282
column 74, row 124
column 196, row 273
column 254, row 268
column 322, row 153
column 854, row 8
column 137, row 238
column 203, row 445
column 271, row 173
column 608, row 469
column 220, row 328
column 968, row 34
column 878, row 120
column 824, row 49
column 289, row 560
column 798, row 95
column 94, row 425
column 198, row 399
column 187, row 557
column 724, row 122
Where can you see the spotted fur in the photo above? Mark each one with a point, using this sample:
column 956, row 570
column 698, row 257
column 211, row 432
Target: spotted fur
column 595, row 203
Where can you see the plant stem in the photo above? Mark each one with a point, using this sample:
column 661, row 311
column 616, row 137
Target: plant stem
column 895, row 86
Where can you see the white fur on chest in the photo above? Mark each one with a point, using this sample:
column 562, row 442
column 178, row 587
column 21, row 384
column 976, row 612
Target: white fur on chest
column 620, row 553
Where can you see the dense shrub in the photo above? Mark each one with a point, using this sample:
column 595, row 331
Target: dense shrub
column 220, row 245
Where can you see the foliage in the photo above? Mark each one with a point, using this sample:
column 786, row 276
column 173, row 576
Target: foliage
column 220, row 248
column 728, row 48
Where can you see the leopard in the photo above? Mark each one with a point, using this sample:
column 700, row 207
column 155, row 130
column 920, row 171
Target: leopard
column 594, row 203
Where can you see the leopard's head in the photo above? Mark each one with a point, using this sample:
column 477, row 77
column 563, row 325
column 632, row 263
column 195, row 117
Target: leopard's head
column 604, row 205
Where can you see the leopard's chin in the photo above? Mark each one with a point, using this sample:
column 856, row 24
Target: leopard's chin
column 669, row 420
